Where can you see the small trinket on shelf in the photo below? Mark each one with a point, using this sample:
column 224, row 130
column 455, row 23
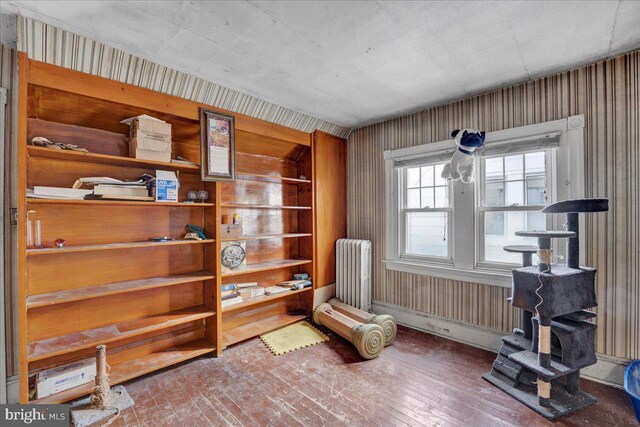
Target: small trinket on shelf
column 60, row 243
column 192, row 195
column 203, row 195
column 236, row 219
column 34, row 231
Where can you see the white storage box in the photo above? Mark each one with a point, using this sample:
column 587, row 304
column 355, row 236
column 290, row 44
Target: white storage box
column 65, row 377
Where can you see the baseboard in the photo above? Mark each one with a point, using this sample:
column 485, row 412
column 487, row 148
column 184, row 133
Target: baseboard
column 608, row 370
column 13, row 389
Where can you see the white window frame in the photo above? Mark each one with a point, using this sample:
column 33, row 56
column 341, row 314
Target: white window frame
column 447, row 260
column 551, row 186
column 567, row 178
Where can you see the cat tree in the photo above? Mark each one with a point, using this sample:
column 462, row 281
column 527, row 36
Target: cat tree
column 540, row 363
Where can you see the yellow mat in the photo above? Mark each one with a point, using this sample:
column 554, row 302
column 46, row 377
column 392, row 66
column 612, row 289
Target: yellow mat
column 292, row 338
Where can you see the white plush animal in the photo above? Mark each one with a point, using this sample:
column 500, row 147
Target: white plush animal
column 460, row 167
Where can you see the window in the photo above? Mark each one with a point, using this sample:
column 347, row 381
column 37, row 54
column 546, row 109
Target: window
column 426, row 212
column 513, row 190
column 458, row 231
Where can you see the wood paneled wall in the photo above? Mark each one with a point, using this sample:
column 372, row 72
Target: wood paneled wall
column 608, row 94
column 55, row 46
column 330, row 157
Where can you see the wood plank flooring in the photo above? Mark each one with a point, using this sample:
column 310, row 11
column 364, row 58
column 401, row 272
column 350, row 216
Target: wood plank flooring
column 421, row 380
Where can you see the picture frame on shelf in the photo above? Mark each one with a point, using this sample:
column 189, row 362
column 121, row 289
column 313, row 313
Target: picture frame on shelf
column 217, row 146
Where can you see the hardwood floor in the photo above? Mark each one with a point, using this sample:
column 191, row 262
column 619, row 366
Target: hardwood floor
column 421, row 380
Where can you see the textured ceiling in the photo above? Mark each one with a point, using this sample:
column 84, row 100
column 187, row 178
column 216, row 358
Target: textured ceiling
column 357, row 62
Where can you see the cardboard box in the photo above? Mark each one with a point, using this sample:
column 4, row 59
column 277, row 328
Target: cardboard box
column 149, row 125
column 150, row 138
column 231, row 230
column 167, row 186
column 65, row 377
column 155, row 155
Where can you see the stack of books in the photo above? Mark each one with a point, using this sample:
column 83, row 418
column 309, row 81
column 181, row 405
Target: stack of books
column 250, row 290
column 296, row 284
column 230, row 295
column 40, row 192
column 111, row 188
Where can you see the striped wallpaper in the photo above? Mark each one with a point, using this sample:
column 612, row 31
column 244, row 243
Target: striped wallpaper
column 49, row 44
column 608, row 94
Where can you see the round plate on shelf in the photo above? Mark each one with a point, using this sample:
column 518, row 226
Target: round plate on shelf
column 232, row 256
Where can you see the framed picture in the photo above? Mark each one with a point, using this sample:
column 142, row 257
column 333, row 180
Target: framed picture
column 217, row 146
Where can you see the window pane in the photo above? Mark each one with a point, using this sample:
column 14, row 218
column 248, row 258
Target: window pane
column 413, row 198
column 427, row 176
column 515, row 193
column 513, row 167
column 427, row 234
column 536, row 221
column 413, row 177
column 511, row 222
column 535, row 191
column 534, row 163
column 494, row 223
column 494, row 194
column 442, row 197
column 438, row 179
column 427, row 198
column 493, row 168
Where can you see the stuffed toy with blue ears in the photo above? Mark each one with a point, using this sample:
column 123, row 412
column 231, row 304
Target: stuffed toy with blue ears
column 461, row 165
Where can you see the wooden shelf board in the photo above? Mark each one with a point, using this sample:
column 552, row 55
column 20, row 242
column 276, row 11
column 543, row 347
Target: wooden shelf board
column 266, row 236
column 61, row 297
column 248, row 206
column 266, row 266
column 115, row 203
column 69, row 343
column 253, row 329
column 129, row 369
column 106, row 159
column 112, row 246
column 249, row 176
column 263, row 298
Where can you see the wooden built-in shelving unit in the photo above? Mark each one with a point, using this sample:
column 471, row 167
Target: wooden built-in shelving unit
column 152, row 303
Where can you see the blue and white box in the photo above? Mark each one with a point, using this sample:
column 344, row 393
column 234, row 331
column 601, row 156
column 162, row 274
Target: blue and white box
column 167, row 186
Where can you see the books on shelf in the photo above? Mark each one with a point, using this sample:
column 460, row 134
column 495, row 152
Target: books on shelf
column 121, row 190
column 274, row 290
column 229, row 295
column 96, row 180
column 40, row 192
column 251, row 292
column 295, row 284
column 233, row 301
column 246, row 285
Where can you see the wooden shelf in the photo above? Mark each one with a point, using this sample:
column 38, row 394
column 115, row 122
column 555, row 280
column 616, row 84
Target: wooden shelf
column 129, row 369
column 61, row 297
column 116, row 203
column 261, row 326
column 112, row 246
column 267, row 236
column 263, row 298
column 266, row 266
column 105, row 159
column 64, row 344
column 271, row 178
column 248, row 206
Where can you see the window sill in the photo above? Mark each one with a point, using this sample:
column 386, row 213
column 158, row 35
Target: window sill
column 484, row 277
